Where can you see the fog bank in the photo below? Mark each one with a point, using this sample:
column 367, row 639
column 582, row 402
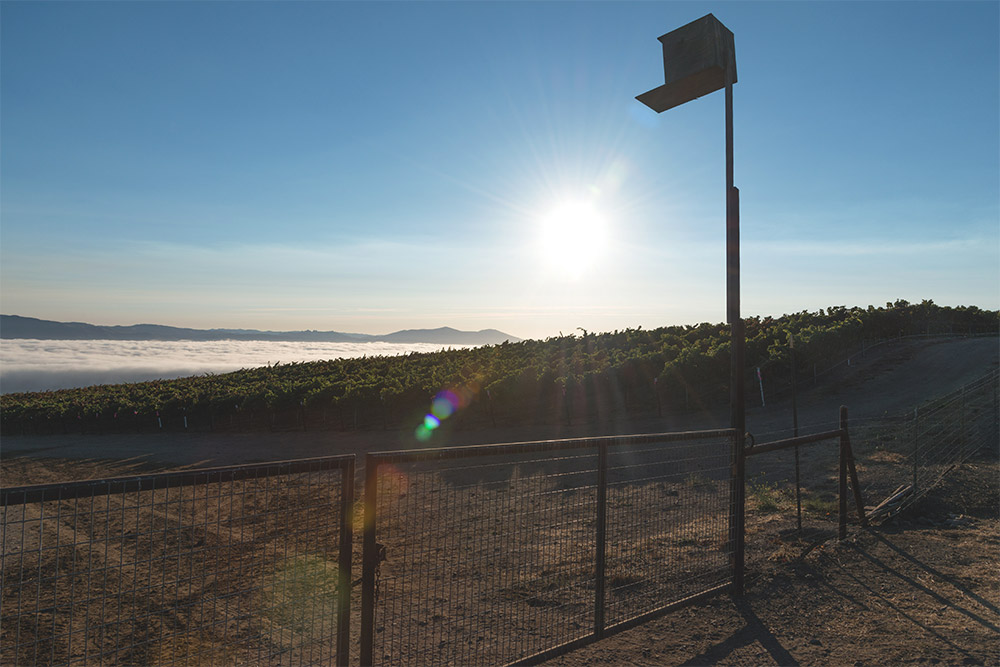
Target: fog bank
column 43, row 365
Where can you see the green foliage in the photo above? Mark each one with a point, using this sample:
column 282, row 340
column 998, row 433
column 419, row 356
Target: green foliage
column 764, row 495
column 557, row 379
column 824, row 505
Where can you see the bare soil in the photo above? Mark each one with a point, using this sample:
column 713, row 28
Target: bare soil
column 923, row 589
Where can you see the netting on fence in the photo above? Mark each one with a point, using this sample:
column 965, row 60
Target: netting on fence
column 492, row 559
column 227, row 565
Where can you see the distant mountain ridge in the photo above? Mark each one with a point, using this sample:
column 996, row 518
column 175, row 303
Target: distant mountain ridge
column 16, row 326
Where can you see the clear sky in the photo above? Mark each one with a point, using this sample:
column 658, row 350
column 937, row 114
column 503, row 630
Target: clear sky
column 369, row 167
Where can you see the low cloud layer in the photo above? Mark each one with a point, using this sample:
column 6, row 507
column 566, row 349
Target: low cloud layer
column 43, row 365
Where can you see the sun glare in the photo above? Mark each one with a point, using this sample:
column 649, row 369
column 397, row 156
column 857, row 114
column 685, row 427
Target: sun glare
column 572, row 238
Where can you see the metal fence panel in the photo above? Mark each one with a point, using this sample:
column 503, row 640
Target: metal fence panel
column 783, row 517
column 506, row 553
column 668, row 524
column 240, row 565
column 903, row 456
column 897, row 457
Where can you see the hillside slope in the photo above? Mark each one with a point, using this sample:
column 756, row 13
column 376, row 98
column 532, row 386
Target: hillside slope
column 896, row 379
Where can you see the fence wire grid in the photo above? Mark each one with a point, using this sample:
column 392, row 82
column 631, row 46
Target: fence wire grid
column 903, row 456
column 495, row 554
column 239, row 565
column 519, row 550
column 898, row 458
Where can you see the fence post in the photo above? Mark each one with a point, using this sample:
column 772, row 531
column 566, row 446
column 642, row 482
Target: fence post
column 346, row 548
column 842, row 510
column 962, row 441
column 369, row 561
column 737, row 512
column 601, row 554
column 916, row 446
column 795, row 433
column 852, row 470
column 996, row 408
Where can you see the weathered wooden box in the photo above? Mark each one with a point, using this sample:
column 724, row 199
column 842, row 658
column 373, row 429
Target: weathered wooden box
column 696, row 58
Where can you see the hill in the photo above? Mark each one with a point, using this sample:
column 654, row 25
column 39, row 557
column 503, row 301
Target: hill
column 16, row 326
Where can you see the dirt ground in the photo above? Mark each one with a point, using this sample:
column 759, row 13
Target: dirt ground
column 923, row 589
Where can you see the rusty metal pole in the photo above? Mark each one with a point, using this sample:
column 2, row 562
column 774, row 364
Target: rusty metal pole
column 369, row 561
column 795, row 434
column 737, row 350
column 601, row 546
column 842, row 508
column 916, row 446
column 852, row 470
column 346, row 549
column 700, row 58
column 962, row 440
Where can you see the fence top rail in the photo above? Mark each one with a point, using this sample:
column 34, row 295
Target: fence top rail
column 507, row 448
column 793, row 442
column 36, row 493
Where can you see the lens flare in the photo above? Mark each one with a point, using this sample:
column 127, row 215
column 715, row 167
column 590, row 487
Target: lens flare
column 443, row 407
column 392, row 481
column 445, row 404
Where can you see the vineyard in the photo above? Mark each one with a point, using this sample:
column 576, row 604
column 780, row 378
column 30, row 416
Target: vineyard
column 572, row 377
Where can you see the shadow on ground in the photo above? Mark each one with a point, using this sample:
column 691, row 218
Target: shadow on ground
column 923, row 589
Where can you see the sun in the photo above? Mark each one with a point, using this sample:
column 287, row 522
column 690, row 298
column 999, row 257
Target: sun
column 572, row 238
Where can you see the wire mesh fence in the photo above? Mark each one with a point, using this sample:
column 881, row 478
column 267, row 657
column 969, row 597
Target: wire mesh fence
column 473, row 555
column 902, row 456
column 506, row 553
column 897, row 458
column 785, row 518
column 668, row 517
column 239, row 565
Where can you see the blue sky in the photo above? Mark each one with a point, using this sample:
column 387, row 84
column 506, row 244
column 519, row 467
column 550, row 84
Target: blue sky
column 370, row 167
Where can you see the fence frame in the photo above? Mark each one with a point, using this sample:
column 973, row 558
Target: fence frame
column 371, row 553
column 846, row 467
column 40, row 493
column 930, row 434
column 371, row 550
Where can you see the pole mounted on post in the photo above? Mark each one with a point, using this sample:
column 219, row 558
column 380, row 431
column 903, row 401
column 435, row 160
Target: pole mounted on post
column 700, row 58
